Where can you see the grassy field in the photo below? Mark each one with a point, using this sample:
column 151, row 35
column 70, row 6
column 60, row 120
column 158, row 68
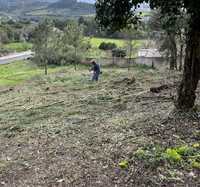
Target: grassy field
column 40, row 12
column 95, row 52
column 64, row 130
column 18, row 46
column 18, row 72
column 95, row 42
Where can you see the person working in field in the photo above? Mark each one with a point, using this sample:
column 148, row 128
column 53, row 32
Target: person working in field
column 95, row 70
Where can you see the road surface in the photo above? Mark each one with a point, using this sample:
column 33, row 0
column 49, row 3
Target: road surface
column 16, row 56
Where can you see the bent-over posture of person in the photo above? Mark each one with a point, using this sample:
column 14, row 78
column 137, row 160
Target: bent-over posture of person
column 96, row 71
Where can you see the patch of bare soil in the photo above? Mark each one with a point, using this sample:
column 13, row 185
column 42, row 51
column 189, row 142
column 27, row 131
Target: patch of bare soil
column 65, row 131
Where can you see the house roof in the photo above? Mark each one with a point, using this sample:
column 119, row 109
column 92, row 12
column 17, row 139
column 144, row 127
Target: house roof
column 149, row 53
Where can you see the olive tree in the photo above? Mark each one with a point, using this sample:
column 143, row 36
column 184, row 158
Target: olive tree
column 117, row 14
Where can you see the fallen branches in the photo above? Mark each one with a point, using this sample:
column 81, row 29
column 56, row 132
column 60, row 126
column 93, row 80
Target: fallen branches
column 159, row 88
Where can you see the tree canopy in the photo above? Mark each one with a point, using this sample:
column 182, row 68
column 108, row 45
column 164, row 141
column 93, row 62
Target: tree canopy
column 117, row 14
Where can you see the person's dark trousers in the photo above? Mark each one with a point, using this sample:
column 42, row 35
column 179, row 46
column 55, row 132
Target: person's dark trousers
column 95, row 76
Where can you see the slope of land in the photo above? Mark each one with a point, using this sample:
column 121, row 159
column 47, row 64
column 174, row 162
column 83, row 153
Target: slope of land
column 32, row 9
column 63, row 130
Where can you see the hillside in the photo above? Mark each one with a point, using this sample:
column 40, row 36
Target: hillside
column 11, row 5
column 40, row 8
column 73, row 5
column 62, row 130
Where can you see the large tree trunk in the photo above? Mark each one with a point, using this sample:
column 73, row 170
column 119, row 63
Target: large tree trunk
column 191, row 75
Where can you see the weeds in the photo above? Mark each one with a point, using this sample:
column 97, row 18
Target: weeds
column 179, row 156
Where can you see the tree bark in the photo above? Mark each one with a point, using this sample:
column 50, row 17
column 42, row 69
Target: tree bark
column 186, row 92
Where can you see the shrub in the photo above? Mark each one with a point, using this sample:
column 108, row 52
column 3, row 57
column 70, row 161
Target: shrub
column 154, row 156
column 123, row 164
column 185, row 150
column 118, row 52
column 172, row 155
column 107, row 46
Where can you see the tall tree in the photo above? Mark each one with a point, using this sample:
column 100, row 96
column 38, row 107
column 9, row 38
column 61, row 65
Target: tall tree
column 131, row 44
column 117, row 14
column 169, row 37
column 42, row 43
column 73, row 43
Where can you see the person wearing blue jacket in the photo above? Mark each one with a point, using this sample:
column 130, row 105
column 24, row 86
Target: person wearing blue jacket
column 96, row 71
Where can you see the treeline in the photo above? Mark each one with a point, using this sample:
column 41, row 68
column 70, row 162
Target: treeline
column 15, row 31
column 91, row 28
column 170, row 32
column 54, row 46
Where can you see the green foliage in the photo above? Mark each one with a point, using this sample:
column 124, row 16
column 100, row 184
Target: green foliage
column 109, row 15
column 107, row 46
column 172, row 155
column 154, row 156
column 196, row 165
column 20, row 71
column 140, row 153
column 185, row 150
column 72, row 44
column 150, row 155
column 53, row 46
column 4, row 51
column 18, row 46
column 123, row 164
column 96, row 41
column 14, row 31
column 118, row 52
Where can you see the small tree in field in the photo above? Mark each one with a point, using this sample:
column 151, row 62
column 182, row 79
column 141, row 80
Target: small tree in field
column 42, row 43
column 131, row 43
column 73, row 43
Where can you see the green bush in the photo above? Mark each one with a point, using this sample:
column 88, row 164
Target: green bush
column 172, row 155
column 118, row 52
column 4, row 51
column 185, row 156
column 123, row 164
column 107, row 46
column 185, row 150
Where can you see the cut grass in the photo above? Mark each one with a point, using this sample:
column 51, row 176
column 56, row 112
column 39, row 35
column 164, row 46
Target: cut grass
column 62, row 127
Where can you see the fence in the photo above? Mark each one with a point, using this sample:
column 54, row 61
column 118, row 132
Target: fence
column 124, row 62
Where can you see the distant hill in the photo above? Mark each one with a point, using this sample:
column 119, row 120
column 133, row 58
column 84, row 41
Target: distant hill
column 40, row 8
column 73, row 4
column 9, row 5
